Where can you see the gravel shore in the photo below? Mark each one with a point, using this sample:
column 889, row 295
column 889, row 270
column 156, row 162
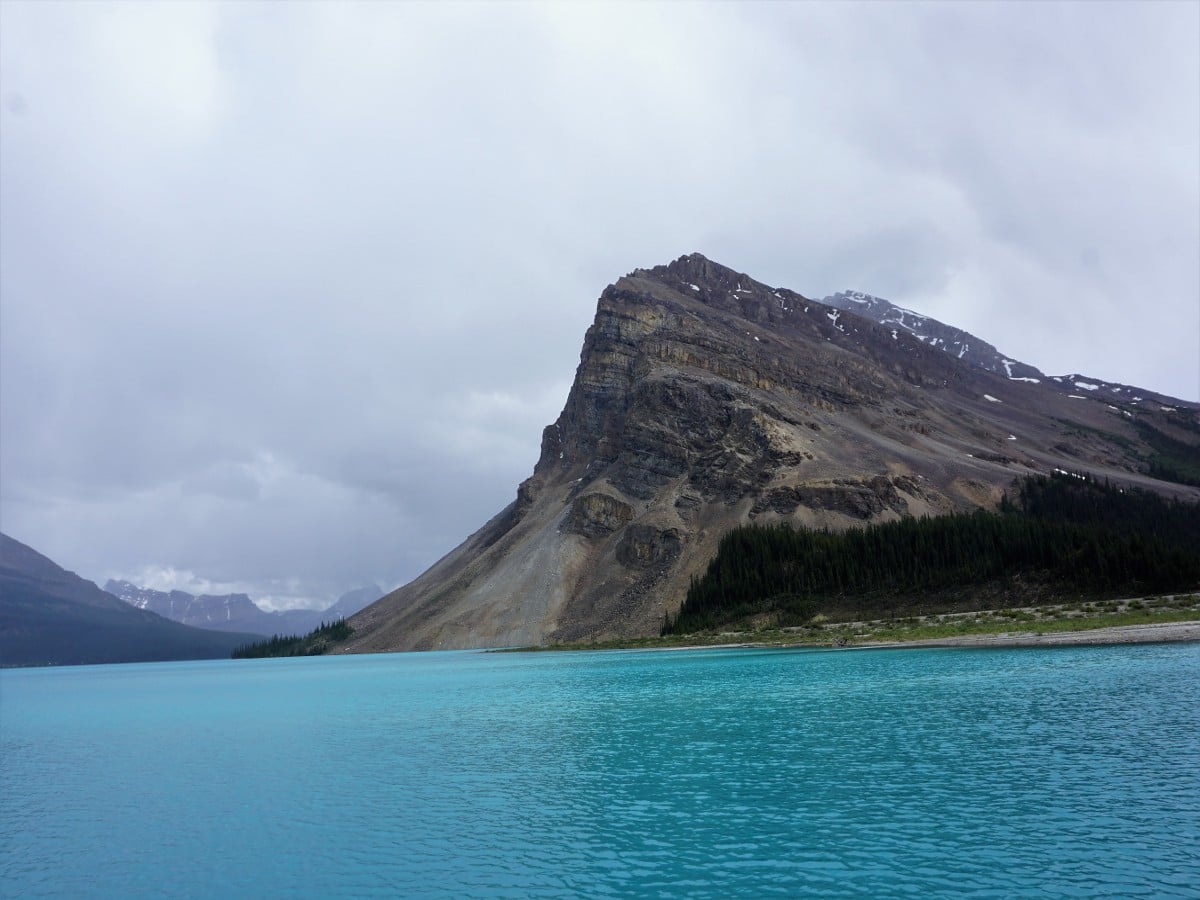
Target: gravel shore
column 1124, row 634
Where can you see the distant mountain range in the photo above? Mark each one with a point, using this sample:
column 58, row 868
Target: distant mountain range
column 237, row 612
column 705, row 400
column 49, row 616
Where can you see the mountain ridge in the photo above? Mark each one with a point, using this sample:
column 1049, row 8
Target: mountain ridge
column 50, row 616
column 705, row 399
column 974, row 350
column 960, row 344
column 237, row 612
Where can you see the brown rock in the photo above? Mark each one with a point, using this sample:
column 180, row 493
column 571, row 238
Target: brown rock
column 704, row 400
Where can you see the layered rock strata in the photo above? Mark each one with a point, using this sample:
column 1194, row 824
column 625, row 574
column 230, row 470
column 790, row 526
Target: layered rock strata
column 705, row 399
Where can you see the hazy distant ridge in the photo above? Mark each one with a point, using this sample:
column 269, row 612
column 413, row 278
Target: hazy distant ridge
column 49, row 616
column 237, row 612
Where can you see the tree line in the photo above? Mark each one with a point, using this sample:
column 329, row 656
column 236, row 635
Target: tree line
column 1068, row 534
column 315, row 643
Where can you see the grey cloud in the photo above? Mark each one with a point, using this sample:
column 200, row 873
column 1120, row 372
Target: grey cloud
column 288, row 293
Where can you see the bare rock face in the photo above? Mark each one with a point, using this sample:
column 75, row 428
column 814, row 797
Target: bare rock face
column 704, row 400
column 597, row 515
column 857, row 498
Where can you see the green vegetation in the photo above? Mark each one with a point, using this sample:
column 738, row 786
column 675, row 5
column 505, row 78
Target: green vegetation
column 1064, row 537
column 315, row 643
column 1172, row 459
column 1040, row 620
column 1078, row 429
column 1079, row 616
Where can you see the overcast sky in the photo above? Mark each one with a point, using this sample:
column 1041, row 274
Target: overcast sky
column 288, row 291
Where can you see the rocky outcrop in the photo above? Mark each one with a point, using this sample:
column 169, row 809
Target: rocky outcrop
column 859, row 499
column 597, row 515
column 705, row 399
column 646, row 547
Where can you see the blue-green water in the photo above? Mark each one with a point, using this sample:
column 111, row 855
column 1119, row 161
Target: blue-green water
column 1066, row 772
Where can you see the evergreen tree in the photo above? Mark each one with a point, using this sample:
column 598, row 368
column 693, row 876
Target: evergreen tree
column 1072, row 534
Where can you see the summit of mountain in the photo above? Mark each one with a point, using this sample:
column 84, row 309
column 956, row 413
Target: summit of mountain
column 705, row 399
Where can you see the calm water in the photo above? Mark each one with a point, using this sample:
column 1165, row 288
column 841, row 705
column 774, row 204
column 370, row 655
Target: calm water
column 1068, row 772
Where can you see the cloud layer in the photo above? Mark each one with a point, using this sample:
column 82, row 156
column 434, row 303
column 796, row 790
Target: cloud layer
column 287, row 293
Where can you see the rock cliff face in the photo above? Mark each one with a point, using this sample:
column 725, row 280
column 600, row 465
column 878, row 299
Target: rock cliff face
column 705, row 399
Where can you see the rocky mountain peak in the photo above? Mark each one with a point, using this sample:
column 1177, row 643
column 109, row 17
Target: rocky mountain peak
column 696, row 269
column 705, row 399
column 698, row 278
column 643, row 323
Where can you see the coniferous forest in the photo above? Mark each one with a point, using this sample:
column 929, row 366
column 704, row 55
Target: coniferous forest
column 315, row 643
column 1063, row 536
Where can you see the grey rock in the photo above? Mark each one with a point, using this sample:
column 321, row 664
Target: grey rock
column 705, row 399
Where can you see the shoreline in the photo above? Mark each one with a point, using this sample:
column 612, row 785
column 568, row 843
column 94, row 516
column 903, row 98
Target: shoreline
column 1113, row 635
column 1172, row 618
column 1151, row 633
column 1177, row 632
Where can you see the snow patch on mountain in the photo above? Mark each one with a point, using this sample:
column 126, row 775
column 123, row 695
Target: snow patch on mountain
column 958, row 343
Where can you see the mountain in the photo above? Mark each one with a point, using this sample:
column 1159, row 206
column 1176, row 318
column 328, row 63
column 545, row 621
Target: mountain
column 49, row 616
column 979, row 353
column 705, row 399
column 351, row 602
column 960, row 344
column 237, row 612
column 230, row 612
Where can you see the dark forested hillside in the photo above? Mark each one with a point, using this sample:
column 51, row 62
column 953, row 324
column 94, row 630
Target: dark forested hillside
column 315, row 643
column 49, row 616
column 1059, row 536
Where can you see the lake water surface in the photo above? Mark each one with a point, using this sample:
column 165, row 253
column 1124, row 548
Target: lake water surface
column 1070, row 772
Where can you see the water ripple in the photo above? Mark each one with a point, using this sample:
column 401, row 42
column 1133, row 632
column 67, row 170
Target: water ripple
column 1071, row 772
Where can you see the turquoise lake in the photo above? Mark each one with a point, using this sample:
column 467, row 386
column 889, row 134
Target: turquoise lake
column 1071, row 772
